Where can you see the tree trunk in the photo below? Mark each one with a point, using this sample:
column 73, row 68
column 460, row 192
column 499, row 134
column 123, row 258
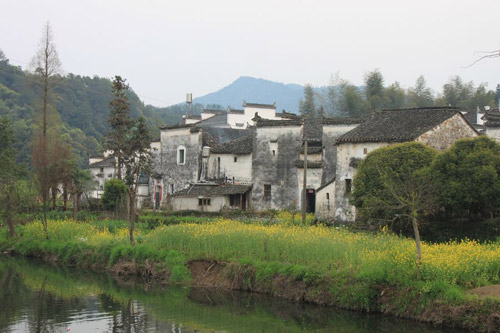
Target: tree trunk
column 132, row 215
column 44, row 215
column 65, row 196
column 9, row 215
column 54, row 198
column 414, row 222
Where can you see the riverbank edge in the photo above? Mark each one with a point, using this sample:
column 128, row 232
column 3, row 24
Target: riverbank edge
column 471, row 313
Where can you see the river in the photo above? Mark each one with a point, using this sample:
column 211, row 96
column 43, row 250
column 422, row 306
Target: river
column 36, row 297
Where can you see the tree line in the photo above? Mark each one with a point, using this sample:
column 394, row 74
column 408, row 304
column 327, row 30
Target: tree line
column 54, row 168
column 343, row 99
column 415, row 184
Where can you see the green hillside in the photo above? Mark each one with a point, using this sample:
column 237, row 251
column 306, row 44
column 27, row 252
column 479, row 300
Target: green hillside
column 81, row 104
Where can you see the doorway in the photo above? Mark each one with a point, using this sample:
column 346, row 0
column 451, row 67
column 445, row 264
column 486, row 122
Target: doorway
column 310, row 201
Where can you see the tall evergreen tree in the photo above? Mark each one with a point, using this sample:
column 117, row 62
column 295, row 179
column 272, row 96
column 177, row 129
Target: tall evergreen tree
column 120, row 123
column 350, row 101
column 307, row 106
column 395, row 96
column 374, row 90
column 420, row 95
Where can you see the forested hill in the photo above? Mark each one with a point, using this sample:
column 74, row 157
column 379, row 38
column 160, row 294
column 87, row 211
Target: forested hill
column 256, row 90
column 82, row 103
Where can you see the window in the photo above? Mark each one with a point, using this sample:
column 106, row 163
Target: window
column 181, row 155
column 236, row 159
column 101, row 170
column 267, row 192
column 171, row 188
column 203, row 202
column 365, row 150
column 348, row 186
column 274, row 152
column 328, row 196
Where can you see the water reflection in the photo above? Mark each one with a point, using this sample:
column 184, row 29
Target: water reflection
column 35, row 297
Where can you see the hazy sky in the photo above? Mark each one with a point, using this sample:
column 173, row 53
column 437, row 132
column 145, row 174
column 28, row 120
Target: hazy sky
column 168, row 48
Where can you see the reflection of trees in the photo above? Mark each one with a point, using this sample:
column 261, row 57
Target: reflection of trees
column 51, row 297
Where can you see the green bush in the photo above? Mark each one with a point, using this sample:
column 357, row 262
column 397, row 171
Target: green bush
column 115, row 191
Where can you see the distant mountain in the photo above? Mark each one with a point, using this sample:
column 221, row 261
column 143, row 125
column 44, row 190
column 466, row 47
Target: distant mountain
column 255, row 90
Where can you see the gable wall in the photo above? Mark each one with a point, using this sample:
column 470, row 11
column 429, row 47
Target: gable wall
column 444, row 135
column 279, row 171
column 241, row 170
column 330, row 135
column 179, row 175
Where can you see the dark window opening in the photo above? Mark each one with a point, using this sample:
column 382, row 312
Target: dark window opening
column 101, row 170
column 348, row 186
column 274, row 152
column 203, row 202
column 267, row 192
column 235, row 159
column 328, row 196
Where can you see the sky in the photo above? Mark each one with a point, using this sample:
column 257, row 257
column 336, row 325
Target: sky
column 167, row 48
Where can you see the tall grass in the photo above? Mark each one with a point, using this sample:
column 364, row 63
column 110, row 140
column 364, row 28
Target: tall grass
column 382, row 257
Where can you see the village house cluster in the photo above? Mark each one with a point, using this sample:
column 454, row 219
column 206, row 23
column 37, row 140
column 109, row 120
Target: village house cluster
column 254, row 158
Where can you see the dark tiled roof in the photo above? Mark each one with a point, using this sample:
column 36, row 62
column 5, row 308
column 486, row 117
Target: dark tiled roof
column 176, row 126
column 492, row 118
column 313, row 129
column 214, row 136
column 261, row 122
column 212, row 190
column 215, row 120
column 107, row 162
column 312, row 149
column 325, row 184
column 229, row 110
column 260, row 106
column 398, row 125
column 343, row 120
column 240, row 146
column 286, row 115
column 213, row 111
column 471, row 116
column 310, row 164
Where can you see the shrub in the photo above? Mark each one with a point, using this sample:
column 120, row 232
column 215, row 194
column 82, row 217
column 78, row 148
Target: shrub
column 115, row 191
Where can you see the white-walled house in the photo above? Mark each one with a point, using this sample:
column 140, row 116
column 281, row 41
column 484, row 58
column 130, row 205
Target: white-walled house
column 436, row 127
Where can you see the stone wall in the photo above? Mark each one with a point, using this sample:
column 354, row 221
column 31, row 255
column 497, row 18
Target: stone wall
column 330, row 135
column 444, row 136
column 179, row 175
column 325, row 202
column 348, row 154
column 277, row 170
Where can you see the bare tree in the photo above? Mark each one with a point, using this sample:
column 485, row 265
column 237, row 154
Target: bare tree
column 485, row 55
column 47, row 72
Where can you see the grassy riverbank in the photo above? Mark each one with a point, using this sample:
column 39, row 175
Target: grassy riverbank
column 314, row 263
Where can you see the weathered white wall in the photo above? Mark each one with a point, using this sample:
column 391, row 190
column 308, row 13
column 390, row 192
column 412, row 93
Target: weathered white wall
column 313, row 178
column 344, row 211
column 494, row 133
column 241, row 170
column 279, row 170
column 325, row 207
column 186, row 203
column 179, row 175
column 100, row 178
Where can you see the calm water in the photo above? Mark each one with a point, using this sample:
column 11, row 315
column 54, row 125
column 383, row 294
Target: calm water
column 35, row 297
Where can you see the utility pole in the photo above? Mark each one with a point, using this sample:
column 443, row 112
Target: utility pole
column 304, row 185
